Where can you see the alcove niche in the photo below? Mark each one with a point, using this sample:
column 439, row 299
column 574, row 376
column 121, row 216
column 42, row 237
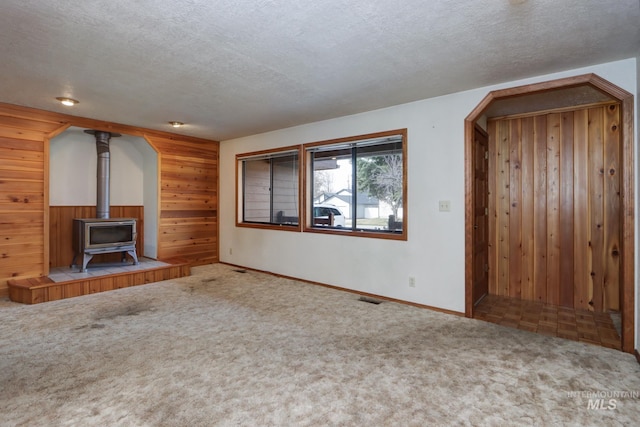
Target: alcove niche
column 133, row 178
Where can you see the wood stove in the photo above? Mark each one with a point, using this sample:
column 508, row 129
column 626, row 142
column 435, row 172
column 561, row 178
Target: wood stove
column 103, row 235
column 93, row 236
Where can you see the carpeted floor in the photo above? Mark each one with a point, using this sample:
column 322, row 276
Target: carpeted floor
column 248, row 349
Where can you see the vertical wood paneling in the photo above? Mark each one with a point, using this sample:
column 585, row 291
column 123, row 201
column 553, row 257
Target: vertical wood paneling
column 61, row 229
column 503, row 207
column 596, row 207
column 612, row 211
column 515, row 218
column 581, row 231
column 566, row 210
column 493, row 217
column 540, row 208
column 555, row 208
column 527, row 205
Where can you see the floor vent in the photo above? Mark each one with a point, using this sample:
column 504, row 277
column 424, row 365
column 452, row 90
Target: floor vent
column 370, row 300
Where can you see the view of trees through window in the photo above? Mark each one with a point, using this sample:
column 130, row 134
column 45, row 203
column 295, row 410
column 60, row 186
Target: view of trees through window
column 363, row 181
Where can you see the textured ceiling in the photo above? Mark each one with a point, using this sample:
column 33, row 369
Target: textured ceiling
column 234, row 68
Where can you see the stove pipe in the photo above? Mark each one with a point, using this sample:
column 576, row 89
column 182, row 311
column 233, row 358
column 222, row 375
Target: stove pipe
column 104, row 166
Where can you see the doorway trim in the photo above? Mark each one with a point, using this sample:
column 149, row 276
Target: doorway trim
column 627, row 289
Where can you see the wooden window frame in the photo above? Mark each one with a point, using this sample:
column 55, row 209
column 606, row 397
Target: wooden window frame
column 308, row 179
column 271, row 153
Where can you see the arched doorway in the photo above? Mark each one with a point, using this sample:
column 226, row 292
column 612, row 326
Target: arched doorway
column 560, row 95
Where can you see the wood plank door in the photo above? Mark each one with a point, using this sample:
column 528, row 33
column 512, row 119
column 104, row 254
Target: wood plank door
column 480, row 214
column 555, row 207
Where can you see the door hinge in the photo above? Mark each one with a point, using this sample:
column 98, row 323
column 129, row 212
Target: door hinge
column 486, row 268
column 486, row 211
column 486, row 154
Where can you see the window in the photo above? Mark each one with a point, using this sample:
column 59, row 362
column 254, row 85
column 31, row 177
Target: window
column 357, row 185
column 268, row 185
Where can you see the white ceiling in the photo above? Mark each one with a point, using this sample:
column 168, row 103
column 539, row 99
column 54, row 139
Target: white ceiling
column 239, row 67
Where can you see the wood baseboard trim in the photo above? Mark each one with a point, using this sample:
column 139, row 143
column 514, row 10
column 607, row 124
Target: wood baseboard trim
column 338, row 288
column 637, row 355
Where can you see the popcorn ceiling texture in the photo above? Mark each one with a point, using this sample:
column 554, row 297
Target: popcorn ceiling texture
column 235, row 68
column 225, row 348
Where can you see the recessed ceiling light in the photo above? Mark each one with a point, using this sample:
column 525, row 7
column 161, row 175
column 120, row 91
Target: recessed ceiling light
column 176, row 124
column 69, row 102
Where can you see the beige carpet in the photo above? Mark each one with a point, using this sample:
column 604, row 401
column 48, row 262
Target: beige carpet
column 247, row 349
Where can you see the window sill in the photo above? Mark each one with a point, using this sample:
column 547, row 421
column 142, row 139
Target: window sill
column 358, row 233
column 280, row 227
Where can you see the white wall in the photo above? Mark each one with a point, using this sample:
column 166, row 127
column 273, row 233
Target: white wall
column 150, row 197
column 73, row 168
column 133, row 173
column 434, row 252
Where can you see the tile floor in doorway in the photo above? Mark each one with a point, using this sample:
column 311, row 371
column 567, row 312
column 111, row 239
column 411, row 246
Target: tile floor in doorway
column 577, row 325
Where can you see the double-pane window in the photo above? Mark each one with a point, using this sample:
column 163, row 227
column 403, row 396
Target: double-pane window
column 270, row 188
column 362, row 180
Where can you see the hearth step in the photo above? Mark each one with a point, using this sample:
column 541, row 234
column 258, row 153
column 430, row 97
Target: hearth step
column 42, row 289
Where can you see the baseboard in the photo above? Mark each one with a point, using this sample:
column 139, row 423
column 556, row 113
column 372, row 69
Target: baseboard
column 637, row 355
column 338, row 288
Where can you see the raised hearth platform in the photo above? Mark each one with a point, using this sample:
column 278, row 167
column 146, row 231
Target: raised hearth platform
column 44, row 289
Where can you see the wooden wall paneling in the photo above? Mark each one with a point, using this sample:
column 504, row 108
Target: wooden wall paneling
column 566, row 283
column 61, row 229
column 502, row 206
column 45, row 202
column 188, row 203
column 556, row 213
column 21, row 203
column 493, row 216
column 612, row 208
column 583, row 217
column 596, row 207
column 553, row 208
column 540, row 207
column 24, row 135
column 28, row 124
column 14, row 133
column 515, row 213
column 527, row 208
column 581, row 230
column 628, row 183
column 187, row 239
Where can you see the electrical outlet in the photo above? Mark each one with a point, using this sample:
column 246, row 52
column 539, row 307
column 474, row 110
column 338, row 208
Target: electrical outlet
column 444, row 205
column 412, row 282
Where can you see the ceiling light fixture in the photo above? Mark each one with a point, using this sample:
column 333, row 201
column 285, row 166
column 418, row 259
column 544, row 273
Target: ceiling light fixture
column 176, row 124
column 69, row 102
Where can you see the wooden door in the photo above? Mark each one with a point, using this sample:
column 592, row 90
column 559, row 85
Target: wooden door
column 480, row 214
column 555, row 207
